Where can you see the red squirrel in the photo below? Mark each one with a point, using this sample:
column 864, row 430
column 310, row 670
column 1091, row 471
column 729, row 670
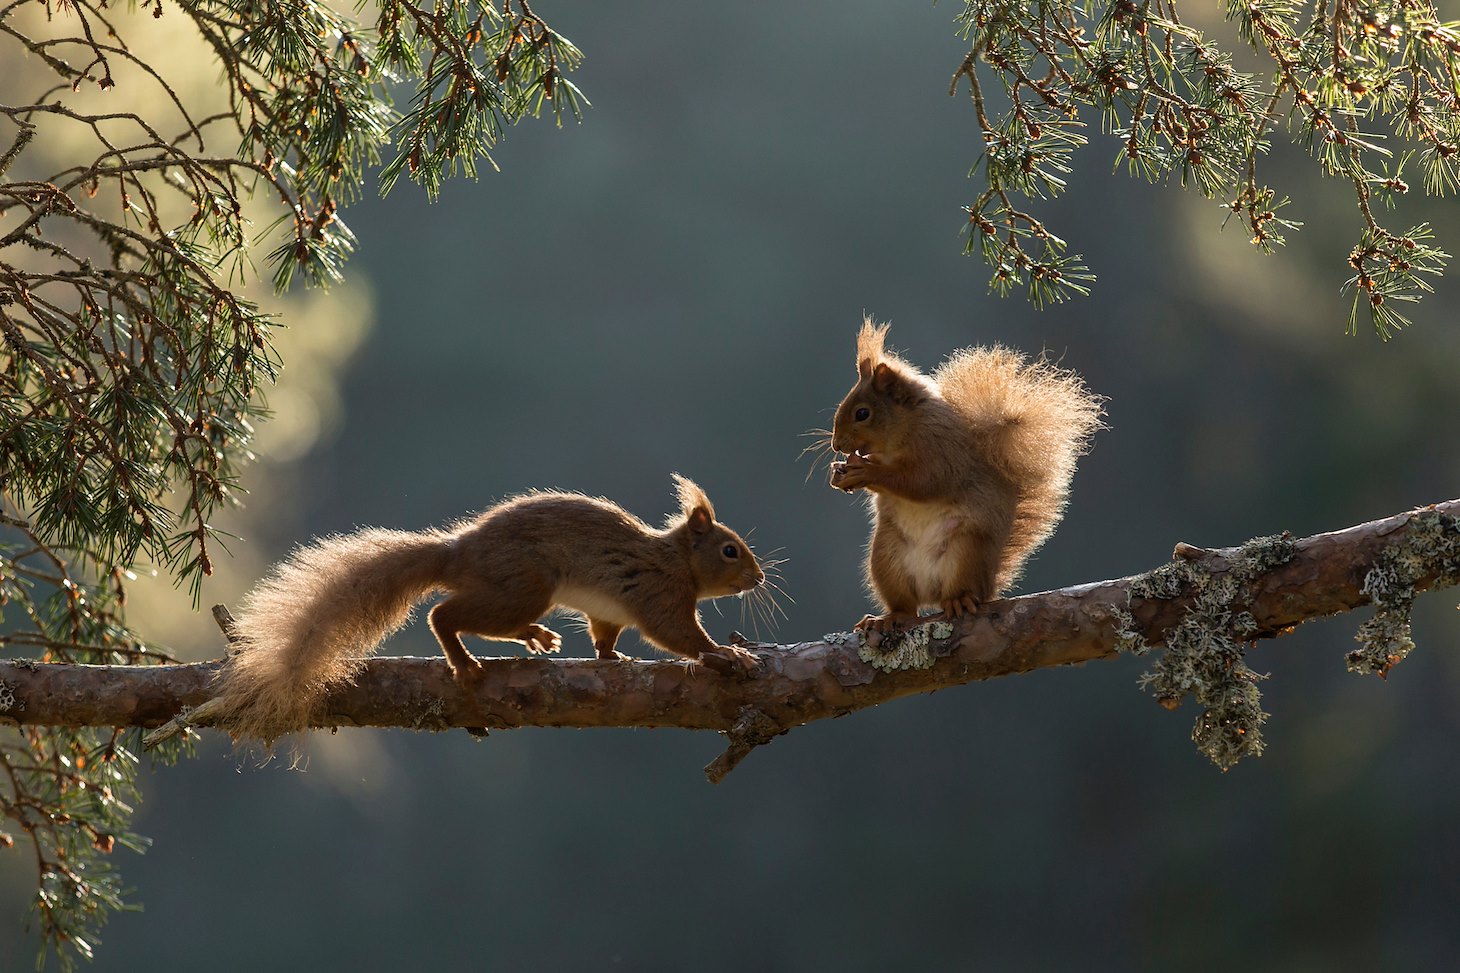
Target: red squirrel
column 969, row 470
column 305, row 627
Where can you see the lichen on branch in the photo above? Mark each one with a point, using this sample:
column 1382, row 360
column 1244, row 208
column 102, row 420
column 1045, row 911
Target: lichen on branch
column 1432, row 544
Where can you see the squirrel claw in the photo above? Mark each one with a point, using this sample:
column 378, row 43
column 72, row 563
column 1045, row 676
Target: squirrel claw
column 887, row 624
column 731, row 660
column 541, row 640
column 850, row 474
column 960, row 606
column 467, row 675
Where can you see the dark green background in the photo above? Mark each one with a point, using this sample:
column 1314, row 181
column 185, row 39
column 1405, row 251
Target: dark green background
column 675, row 285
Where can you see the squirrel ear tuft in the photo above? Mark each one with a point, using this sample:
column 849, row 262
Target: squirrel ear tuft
column 700, row 520
column 694, row 503
column 869, row 345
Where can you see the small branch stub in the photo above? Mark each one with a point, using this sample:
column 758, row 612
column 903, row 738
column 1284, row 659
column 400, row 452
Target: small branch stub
column 224, row 618
column 752, row 729
column 191, row 716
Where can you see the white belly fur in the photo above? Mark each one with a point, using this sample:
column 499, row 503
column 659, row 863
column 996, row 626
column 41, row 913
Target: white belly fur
column 927, row 529
column 593, row 604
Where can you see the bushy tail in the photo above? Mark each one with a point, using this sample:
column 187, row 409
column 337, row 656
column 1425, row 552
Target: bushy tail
column 307, row 626
column 1033, row 420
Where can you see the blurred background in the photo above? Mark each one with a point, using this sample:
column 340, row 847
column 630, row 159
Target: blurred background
column 675, row 284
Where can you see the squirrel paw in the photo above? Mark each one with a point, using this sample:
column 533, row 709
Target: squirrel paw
column 541, row 640
column 887, row 624
column 960, row 606
column 852, row 473
column 731, row 660
column 467, row 674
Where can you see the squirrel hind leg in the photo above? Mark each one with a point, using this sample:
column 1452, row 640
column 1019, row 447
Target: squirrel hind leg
column 976, row 562
column 445, row 621
column 959, row 605
column 489, row 617
column 892, row 583
column 605, row 637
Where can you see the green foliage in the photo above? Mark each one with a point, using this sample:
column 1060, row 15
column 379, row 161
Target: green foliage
column 68, row 792
column 485, row 69
column 132, row 365
column 312, row 92
column 1343, row 79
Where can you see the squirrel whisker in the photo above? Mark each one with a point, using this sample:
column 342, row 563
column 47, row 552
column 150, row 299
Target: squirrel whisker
column 759, row 599
column 774, row 606
column 820, row 450
column 771, row 584
column 749, row 614
column 766, row 593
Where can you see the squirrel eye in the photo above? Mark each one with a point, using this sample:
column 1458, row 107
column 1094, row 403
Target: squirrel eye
column 863, row 414
column 730, row 551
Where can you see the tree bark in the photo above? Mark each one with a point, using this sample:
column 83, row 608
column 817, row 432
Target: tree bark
column 798, row 683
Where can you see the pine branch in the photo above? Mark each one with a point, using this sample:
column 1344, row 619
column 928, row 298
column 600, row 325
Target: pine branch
column 1179, row 109
column 1232, row 596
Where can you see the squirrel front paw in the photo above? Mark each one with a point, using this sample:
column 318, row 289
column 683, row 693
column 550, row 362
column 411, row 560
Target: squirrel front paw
column 853, row 472
column 887, row 624
column 731, row 660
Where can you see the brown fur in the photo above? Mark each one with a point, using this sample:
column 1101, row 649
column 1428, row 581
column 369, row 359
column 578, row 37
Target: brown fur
column 308, row 625
column 969, row 469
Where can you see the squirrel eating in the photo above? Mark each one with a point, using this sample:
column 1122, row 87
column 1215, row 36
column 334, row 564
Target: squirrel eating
column 969, row 470
column 307, row 626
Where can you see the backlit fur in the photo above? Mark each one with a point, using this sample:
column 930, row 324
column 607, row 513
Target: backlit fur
column 307, row 627
column 973, row 465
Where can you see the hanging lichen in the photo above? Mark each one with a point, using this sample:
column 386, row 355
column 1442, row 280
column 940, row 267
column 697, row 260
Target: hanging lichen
column 1431, row 544
column 1205, row 652
column 1205, row 658
column 1127, row 637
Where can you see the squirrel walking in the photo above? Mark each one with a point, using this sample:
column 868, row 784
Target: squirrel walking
column 304, row 628
column 969, row 470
